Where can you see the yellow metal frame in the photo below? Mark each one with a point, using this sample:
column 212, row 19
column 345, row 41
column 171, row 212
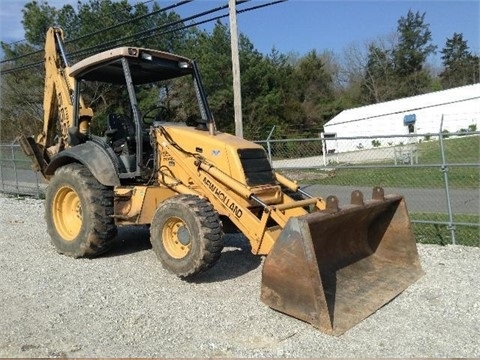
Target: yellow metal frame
column 259, row 212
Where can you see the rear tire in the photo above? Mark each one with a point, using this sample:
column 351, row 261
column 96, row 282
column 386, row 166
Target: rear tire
column 186, row 235
column 78, row 212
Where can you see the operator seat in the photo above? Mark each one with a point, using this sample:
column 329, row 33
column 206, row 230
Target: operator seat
column 121, row 133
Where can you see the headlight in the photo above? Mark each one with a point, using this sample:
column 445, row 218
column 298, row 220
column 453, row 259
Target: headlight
column 146, row 56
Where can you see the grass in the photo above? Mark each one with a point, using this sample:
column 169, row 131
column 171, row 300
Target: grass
column 457, row 151
column 458, row 177
column 461, row 150
column 441, row 235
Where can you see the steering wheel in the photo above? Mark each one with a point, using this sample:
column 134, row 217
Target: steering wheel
column 158, row 113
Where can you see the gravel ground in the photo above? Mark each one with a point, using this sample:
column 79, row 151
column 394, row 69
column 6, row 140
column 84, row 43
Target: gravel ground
column 125, row 305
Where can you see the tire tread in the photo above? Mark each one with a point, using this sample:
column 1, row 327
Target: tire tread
column 211, row 230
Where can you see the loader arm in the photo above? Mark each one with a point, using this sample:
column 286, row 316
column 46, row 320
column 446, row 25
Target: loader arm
column 259, row 212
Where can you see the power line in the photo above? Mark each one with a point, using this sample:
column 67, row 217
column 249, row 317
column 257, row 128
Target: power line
column 136, row 19
column 15, row 42
column 116, row 41
column 105, row 29
column 260, row 6
column 153, row 32
column 144, row 33
column 107, row 15
column 131, row 20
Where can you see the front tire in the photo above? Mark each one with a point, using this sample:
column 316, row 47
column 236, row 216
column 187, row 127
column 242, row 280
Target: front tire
column 186, row 235
column 78, row 212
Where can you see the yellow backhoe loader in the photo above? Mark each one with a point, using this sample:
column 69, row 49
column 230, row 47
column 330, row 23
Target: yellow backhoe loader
column 170, row 168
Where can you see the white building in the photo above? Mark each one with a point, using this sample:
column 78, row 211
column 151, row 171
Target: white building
column 416, row 115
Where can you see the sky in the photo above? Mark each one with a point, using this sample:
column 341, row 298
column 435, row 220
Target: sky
column 298, row 26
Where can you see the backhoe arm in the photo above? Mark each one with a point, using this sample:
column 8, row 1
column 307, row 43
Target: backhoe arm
column 58, row 104
column 62, row 126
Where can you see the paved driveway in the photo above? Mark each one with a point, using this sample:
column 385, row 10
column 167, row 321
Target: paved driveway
column 418, row 200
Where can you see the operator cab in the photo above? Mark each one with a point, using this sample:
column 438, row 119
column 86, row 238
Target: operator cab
column 157, row 88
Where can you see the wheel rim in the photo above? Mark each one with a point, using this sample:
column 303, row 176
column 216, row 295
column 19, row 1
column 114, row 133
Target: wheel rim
column 67, row 213
column 176, row 238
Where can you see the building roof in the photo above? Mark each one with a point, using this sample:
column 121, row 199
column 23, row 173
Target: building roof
column 408, row 104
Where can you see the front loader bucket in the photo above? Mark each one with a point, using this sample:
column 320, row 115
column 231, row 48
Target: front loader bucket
column 336, row 267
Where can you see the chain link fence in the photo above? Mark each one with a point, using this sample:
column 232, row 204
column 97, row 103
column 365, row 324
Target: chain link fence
column 437, row 173
column 16, row 174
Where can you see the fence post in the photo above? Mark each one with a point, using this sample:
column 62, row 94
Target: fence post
column 324, row 148
column 38, row 186
column 14, row 168
column 269, row 149
column 1, row 167
column 444, row 170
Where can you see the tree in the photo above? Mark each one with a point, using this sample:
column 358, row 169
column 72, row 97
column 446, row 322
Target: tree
column 21, row 105
column 393, row 66
column 212, row 52
column 410, row 54
column 313, row 88
column 461, row 67
column 379, row 74
column 267, row 95
column 37, row 18
column 94, row 26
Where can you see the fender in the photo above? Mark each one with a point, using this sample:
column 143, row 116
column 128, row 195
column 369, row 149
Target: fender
column 94, row 156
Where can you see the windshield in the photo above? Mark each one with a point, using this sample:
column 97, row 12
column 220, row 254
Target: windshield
column 172, row 100
column 172, row 94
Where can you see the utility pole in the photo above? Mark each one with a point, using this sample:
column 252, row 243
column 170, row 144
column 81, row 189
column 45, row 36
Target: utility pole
column 237, row 92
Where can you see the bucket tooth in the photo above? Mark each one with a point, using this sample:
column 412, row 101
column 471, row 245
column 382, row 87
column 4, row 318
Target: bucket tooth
column 332, row 204
column 378, row 193
column 357, row 198
column 333, row 269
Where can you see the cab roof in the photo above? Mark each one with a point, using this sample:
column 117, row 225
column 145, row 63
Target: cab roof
column 146, row 65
